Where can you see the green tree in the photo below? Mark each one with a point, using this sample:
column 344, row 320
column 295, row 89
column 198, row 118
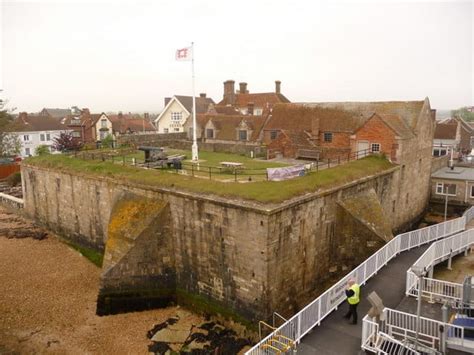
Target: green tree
column 65, row 142
column 463, row 113
column 108, row 141
column 42, row 149
column 5, row 116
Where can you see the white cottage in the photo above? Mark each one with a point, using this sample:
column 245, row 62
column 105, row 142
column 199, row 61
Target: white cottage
column 34, row 131
column 177, row 111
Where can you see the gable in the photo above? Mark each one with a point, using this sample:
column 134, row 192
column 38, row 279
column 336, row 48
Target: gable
column 173, row 104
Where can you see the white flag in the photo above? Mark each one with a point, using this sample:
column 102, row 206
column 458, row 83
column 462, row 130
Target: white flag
column 184, row 54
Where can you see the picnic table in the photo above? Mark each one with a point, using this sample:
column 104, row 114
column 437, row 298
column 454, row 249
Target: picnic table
column 231, row 166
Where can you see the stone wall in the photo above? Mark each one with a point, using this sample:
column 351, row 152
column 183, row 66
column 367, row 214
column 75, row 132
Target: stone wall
column 247, row 258
column 439, row 162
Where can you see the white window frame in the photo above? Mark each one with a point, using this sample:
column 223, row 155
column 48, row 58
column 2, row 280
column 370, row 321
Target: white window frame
column 76, row 134
column 176, row 116
column 207, row 133
column 372, row 147
column 27, row 151
column 42, row 137
column 26, row 138
column 165, row 130
column 103, row 123
column 48, row 137
column 441, row 189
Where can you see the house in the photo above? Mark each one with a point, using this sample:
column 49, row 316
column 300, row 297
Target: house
column 456, row 184
column 453, row 133
column 222, row 128
column 251, row 103
column 34, row 131
column 59, row 112
column 177, row 111
column 127, row 124
column 81, row 124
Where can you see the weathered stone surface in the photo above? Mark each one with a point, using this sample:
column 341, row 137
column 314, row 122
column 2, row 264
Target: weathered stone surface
column 172, row 336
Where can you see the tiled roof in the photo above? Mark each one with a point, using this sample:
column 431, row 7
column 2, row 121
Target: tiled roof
column 227, row 125
column 259, row 99
column 202, row 103
column 398, row 125
column 445, row 131
column 300, row 139
column 297, row 117
column 407, row 110
column 29, row 123
column 123, row 124
column 58, row 112
column 226, row 110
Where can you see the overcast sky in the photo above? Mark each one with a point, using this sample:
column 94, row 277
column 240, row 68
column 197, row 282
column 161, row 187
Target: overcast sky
column 120, row 56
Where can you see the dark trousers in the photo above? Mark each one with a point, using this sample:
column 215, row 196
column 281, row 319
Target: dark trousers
column 352, row 312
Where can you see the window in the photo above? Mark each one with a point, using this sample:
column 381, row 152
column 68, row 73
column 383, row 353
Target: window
column 103, row 123
column 42, row 137
column 75, row 121
column 209, row 133
column 26, row 138
column 328, row 136
column 27, row 151
column 76, row 134
column 445, row 189
column 165, row 130
column 375, row 147
column 438, row 152
column 176, row 129
column 472, row 191
column 103, row 135
column 242, row 135
column 48, row 137
column 176, row 116
column 273, row 134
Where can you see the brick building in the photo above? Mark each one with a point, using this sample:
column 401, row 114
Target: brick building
column 453, row 133
column 251, row 103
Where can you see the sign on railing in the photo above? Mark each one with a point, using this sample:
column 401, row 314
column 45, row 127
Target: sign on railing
column 312, row 314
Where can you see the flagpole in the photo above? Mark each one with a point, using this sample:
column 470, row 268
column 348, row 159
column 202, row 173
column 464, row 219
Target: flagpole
column 194, row 146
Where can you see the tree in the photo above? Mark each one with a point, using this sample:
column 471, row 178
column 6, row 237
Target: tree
column 42, row 149
column 5, row 116
column 9, row 144
column 108, row 141
column 463, row 113
column 65, row 142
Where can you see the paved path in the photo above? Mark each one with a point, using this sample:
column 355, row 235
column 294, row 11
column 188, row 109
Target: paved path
column 336, row 336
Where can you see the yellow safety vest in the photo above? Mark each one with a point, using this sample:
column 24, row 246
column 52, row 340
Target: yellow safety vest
column 354, row 299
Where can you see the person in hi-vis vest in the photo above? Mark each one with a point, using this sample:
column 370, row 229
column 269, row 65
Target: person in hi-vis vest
column 353, row 298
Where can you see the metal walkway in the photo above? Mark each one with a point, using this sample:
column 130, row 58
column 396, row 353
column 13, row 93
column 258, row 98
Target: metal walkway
column 335, row 336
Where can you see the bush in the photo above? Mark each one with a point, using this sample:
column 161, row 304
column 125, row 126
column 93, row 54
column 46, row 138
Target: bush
column 42, row 149
column 14, row 179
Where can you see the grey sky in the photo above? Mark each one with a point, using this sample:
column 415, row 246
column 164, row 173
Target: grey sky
column 120, row 56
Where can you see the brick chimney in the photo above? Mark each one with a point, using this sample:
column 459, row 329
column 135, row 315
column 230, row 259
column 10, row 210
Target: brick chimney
column 202, row 95
column 243, row 88
column 229, row 92
column 22, row 117
column 278, row 86
column 167, row 100
column 250, row 107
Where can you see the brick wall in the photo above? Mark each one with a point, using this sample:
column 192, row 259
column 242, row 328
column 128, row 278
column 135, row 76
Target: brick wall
column 376, row 131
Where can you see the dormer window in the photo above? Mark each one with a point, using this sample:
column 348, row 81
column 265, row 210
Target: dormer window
column 209, row 133
column 242, row 135
column 75, row 121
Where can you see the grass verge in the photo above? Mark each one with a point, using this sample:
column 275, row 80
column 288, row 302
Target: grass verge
column 96, row 257
column 261, row 191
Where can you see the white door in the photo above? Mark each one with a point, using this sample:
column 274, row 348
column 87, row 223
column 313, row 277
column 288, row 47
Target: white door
column 362, row 149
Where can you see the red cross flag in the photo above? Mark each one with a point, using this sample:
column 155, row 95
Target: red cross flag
column 184, row 54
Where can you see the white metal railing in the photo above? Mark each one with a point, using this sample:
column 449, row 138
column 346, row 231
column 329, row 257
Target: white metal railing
column 402, row 326
column 386, row 345
column 312, row 314
column 11, row 200
column 436, row 253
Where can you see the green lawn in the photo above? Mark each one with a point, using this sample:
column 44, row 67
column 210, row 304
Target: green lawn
column 262, row 191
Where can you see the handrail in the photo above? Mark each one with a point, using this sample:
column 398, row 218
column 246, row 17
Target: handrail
column 312, row 314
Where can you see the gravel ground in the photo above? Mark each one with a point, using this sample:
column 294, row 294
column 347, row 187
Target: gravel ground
column 48, row 295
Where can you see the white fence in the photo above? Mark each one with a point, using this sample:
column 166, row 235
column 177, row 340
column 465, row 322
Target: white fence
column 11, row 201
column 311, row 315
column 436, row 253
column 402, row 326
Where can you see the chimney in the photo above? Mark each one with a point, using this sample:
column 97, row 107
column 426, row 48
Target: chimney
column 86, row 112
column 120, row 115
column 202, row 95
column 243, row 88
column 146, row 115
column 167, row 99
column 278, row 86
column 250, row 107
column 229, row 92
column 23, row 116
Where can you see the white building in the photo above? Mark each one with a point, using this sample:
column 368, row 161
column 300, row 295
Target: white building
column 177, row 110
column 34, row 131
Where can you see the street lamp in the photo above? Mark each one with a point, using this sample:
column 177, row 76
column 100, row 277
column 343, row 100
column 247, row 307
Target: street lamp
column 420, row 272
